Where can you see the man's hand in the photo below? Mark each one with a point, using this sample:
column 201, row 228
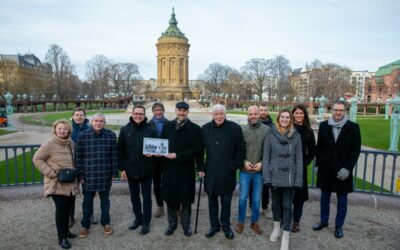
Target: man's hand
column 257, row 167
column 171, row 156
column 343, row 174
column 148, row 155
column 123, row 175
column 201, row 174
column 248, row 166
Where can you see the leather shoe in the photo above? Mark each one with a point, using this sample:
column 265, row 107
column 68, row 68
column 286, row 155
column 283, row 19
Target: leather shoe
column 145, row 229
column 338, row 232
column 212, row 232
column 320, row 226
column 135, row 224
column 228, row 233
column 70, row 235
column 187, row 231
column 170, row 230
column 64, row 244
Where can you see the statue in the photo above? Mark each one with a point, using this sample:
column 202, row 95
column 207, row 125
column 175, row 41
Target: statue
column 353, row 109
column 387, row 108
column 395, row 125
column 321, row 109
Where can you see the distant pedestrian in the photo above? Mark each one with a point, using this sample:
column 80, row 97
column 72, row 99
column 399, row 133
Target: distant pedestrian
column 225, row 154
column 97, row 165
column 338, row 149
column 55, row 154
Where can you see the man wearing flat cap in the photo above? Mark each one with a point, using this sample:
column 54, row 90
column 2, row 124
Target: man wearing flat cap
column 178, row 182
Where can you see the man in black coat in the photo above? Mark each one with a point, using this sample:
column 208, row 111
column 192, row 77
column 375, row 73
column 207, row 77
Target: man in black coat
column 157, row 122
column 178, row 182
column 136, row 167
column 225, row 150
column 338, row 149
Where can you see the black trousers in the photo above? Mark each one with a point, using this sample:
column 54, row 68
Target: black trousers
column 264, row 196
column 282, row 200
column 186, row 213
column 157, row 189
column 142, row 213
column 213, row 208
column 72, row 209
column 63, row 206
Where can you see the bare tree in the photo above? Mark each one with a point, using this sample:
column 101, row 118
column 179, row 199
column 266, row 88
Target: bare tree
column 216, row 77
column 330, row 80
column 61, row 67
column 98, row 73
column 280, row 67
column 258, row 73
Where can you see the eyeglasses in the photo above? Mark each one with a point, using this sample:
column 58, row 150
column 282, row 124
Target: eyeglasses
column 138, row 114
column 338, row 110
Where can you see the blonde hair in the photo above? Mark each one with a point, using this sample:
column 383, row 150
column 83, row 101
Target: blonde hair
column 65, row 123
column 281, row 129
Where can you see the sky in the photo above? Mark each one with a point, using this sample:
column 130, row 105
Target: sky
column 359, row 34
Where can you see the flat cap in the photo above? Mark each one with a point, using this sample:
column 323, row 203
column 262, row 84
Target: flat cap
column 182, row 105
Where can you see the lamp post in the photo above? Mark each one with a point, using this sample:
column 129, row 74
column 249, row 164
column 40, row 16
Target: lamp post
column 395, row 124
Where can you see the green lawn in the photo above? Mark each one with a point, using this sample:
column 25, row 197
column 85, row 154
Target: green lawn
column 4, row 132
column 9, row 177
column 48, row 119
column 375, row 132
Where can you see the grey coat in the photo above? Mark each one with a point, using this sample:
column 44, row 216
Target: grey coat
column 283, row 159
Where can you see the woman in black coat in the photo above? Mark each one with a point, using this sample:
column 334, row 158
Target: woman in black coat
column 303, row 127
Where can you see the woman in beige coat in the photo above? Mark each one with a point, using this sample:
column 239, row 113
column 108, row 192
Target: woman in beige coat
column 54, row 154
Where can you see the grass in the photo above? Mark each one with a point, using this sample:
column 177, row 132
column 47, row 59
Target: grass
column 48, row 119
column 375, row 132
column 4, row 132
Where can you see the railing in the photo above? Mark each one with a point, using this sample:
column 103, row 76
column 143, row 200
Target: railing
column 375, row 172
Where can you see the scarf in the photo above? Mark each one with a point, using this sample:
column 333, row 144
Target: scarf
column 159, row 124
column 336, row 126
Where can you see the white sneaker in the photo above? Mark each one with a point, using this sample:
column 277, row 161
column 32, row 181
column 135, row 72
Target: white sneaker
column 285, row 240
column 275, row 232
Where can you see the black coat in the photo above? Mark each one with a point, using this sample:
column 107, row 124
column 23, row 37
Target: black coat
column 178, row 180
column 332, row 156
column 130, row 150
column 308, row 149
column 157, row 161
column 225, row 153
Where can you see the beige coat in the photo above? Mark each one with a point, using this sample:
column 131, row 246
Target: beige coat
column 53, row 155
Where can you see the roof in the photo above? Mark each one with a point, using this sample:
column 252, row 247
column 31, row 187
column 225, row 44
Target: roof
column 173, row 30
column 388, row 68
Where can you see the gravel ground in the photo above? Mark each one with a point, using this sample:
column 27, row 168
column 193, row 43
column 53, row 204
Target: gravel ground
column 30, row 224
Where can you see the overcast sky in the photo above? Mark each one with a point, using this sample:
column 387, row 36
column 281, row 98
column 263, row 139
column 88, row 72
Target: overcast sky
column 360, row 34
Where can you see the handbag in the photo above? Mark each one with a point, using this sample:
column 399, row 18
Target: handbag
column 67, row 175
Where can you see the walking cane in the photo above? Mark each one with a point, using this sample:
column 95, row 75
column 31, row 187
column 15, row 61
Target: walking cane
column 198, row 204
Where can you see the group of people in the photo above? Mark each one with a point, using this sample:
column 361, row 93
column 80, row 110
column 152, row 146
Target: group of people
column 271, row 158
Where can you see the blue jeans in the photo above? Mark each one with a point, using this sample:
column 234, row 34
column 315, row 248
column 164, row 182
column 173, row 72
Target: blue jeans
column 245, row 180
column 135, row 186
column 87, row 208
column 341, row 207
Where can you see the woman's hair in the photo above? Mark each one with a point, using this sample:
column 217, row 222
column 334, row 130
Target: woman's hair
column 306, row 121
column 278, row 125
column 65, row 123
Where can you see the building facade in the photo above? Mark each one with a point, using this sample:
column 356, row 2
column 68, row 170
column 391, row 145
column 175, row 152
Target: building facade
column 172, row 65
column 358, row 79
column 24, row 74
column 384, row 84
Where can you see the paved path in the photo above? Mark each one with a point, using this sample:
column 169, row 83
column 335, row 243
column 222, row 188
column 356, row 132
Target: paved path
column 30, row 223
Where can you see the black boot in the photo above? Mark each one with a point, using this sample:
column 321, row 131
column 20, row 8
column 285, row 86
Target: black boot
column 70, row 235
column 64, row 243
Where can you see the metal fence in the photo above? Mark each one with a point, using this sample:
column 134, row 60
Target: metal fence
column 375, row 172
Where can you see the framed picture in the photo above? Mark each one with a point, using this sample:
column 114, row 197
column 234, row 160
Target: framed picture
column 155, row 146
